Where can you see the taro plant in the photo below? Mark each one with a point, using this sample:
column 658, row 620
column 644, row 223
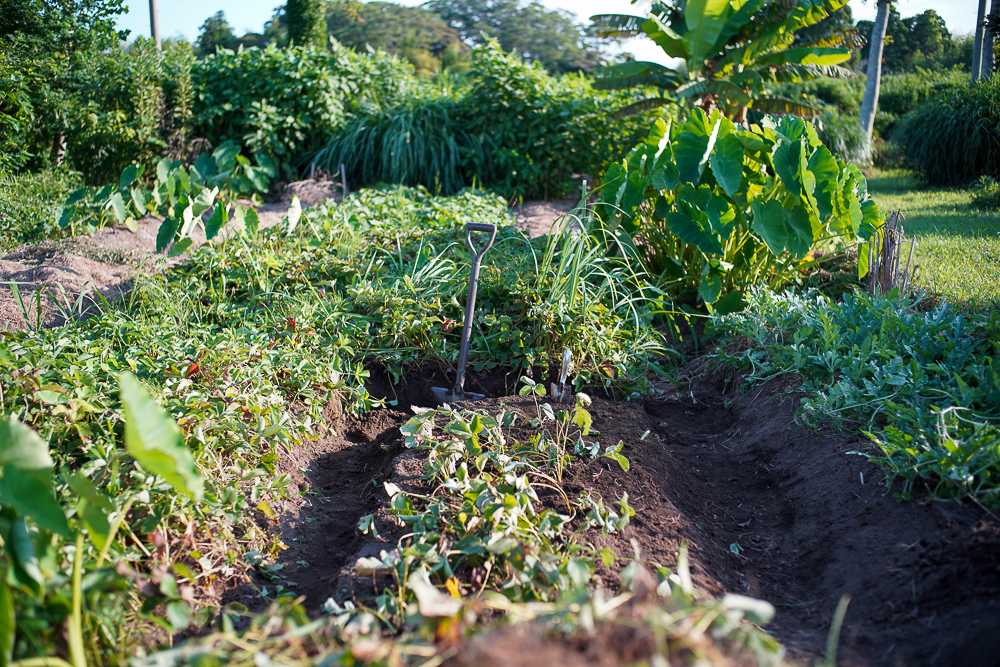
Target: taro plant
column 727, row 52
column 717, row 207
column 180, row 194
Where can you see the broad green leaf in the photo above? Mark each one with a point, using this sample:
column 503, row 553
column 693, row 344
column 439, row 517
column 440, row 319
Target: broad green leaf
column 806, row 56
column 163, row 170
column 709, row 289
column 789, row 162
column 180, row 247
column 294, row 214
column 22, row 553
column 30, row 493
column 204, row 164
column 800, row 231
column 824, row 167
column 664, row 37
column 705, row 21
column 225, row 156
column 251, row 222
column 863, row 250
column 190, row 220
column 22, row 448
column 139, row 199
column 727, row 164
column 153, row 439
column 128, row 177
column 8, row 624
column 215, row 223
column 179, row 615
column 693, row 144
column 871, row 218
column 730, row 302
column 693, row 226
column 204, row 201
column 165, row 234
column 91, row 509
column 769, row 224
column 118, row 207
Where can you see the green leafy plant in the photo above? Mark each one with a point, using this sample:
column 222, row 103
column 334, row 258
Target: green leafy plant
column 731, row 50
column 717, row 208
column 925, row 386
column 954, row 137
column 986, row 193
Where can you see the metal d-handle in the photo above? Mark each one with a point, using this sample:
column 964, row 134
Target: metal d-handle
column 470, row 304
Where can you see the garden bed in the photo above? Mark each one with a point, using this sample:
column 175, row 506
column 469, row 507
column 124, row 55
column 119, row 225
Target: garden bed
column 770, row 510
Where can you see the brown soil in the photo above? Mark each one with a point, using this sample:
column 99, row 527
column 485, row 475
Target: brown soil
column 537, row 217
column 768, row 508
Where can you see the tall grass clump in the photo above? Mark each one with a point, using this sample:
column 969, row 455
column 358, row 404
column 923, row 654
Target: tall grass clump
column 419, row 142
column 955, row 138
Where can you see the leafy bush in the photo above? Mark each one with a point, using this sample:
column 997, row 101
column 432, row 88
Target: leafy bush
column 516, row 130
column 419, row 142
column 899, row 94
column 717, row 208
column 924, row 385
column 955, row 137
column 986, row 193
column 283, row 104
column 15, row 114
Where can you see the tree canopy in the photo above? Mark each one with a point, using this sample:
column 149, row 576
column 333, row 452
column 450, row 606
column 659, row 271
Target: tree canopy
column 214, row 33
column 537, row 34
column 922, row 40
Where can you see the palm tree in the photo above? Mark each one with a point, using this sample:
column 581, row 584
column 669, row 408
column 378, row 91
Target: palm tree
column 870, row 101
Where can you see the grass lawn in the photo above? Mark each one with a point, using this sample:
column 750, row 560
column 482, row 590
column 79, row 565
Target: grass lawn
column 958, row 247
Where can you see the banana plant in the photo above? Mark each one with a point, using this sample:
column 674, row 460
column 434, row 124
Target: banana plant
column 717, row 207
column 725, row 53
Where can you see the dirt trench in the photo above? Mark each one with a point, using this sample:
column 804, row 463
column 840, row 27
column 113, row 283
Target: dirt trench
column 769, row 508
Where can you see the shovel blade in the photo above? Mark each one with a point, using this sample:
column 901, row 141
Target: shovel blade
column 442, row 396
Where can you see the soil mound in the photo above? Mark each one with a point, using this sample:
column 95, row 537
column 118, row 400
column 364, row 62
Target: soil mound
column 769, row 509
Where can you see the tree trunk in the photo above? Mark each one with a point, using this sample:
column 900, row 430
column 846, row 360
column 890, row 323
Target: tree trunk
column 977, row 49
column 870, row 102
column 989, row 41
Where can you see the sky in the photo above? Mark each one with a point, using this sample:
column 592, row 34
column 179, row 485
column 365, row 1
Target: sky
column 184, row 17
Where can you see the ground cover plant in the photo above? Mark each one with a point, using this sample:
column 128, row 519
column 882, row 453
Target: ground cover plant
column 166, row 500
column 924, row 386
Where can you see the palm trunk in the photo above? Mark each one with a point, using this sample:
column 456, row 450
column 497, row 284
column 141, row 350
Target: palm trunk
column 989, row 41
column 977, row 49
column 870, row 102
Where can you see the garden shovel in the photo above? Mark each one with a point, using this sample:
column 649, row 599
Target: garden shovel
column 458, row 393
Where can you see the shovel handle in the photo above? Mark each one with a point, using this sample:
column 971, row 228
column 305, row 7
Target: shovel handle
column 480, row 227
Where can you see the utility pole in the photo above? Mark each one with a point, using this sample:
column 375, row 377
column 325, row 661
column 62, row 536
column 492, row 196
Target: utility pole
column 154, row 24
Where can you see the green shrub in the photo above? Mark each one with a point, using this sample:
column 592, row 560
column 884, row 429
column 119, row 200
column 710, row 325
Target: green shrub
column 282, row 104
column 15, row 114
column 717, row 208
column 986, row 193
column 515, row 129
column 955, row 137
column 419, row 142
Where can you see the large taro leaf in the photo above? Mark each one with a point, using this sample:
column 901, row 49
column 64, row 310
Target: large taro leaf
column 727, row 164
column 800, row 227
column 769, row 224
column 789, row 161
column 22, row 448
column 691, row 222
column 693, row 144
column 153, row 439
column 824, row 167
column 783, row 229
